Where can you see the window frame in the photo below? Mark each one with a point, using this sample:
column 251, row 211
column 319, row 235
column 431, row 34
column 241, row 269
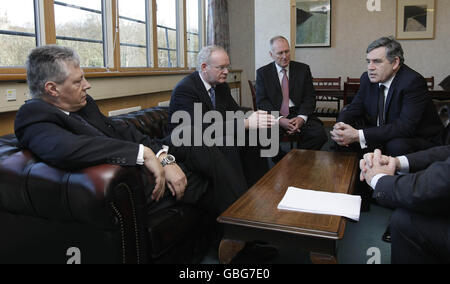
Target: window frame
column 46, row 34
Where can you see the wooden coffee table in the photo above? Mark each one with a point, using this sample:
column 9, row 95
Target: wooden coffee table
column 255, row 216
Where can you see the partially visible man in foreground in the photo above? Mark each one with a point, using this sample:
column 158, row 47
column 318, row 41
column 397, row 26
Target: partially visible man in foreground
column 420, row 225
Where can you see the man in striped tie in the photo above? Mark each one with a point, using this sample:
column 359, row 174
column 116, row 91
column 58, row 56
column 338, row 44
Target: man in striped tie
column 286, row 86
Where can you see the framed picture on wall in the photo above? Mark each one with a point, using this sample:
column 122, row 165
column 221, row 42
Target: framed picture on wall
column 312, row 23
column 415, row 19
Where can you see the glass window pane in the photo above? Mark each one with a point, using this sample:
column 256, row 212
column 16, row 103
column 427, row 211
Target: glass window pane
column 167, row 33
column 193, row 31
column 17, row 32
column 133, row 56
column 91, row 54
column 192, row 8
column 133, row 33
column 95, row 5
column 167, row 13
column 15, row 49
column 79, row 24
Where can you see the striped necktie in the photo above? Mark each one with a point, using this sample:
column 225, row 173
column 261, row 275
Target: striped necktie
column 285, row 88
column 212, row 93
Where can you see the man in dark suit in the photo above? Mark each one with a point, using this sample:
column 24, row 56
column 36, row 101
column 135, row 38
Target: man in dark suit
column 420, row 225
column 399, row 117
column 286, row 86
column 208, row 89
column 63, row 126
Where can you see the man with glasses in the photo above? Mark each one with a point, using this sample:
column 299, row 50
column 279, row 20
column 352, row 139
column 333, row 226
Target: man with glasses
column 207, row 88
column 286, row 86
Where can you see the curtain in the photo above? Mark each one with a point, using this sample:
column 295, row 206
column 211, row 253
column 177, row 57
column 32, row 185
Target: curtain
column 218, row 26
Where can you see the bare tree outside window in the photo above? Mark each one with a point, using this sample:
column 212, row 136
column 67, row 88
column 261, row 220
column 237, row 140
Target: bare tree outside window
column 17, row 32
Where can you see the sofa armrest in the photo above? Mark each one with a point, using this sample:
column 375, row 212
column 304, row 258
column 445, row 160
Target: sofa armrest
column 33, row 188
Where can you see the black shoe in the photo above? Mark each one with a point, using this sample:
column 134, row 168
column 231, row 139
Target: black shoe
column 254, row 253
column 387, row 235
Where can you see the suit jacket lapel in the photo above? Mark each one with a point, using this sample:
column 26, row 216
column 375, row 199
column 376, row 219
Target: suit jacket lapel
column 392, row 88
column 203, row 93
column 278, row 93
column 292, row 74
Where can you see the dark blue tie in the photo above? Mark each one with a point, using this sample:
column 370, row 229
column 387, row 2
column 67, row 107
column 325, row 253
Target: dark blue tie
column 87, row 124
column 212, row 91
column 381, row 102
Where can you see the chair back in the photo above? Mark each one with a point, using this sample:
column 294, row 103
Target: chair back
column 353, row 80
column 253, row 91
column 350, row 90
column 327, row 83
column 430, row 83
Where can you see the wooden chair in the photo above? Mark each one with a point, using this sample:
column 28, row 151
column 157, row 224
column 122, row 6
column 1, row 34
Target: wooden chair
column 430, row 83
column 327, row 84
column 253, row 91
column 350, row 90
column 353, row 80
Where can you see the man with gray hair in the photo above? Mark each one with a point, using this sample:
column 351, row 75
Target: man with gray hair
column 399, row 117
column 63, row 126
column 207, row 91
column 286, row 86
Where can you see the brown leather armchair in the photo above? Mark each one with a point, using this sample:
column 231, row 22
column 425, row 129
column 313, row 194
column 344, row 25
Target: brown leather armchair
column 96, row 215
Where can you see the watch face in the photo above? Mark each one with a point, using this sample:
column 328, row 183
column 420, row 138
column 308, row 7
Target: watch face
column 170, row 159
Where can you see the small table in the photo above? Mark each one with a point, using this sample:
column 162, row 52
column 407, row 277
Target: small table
column 255, row 216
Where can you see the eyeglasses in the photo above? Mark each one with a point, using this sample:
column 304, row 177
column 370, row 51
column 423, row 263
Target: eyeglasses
column 222, row 68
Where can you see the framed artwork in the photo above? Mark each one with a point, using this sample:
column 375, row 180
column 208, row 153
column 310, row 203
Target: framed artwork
column 312, row 23
column 415, row 19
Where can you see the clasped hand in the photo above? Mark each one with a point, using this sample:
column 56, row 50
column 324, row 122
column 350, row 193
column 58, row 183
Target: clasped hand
column 293, row 125
column 375, row 163
column 344, row 134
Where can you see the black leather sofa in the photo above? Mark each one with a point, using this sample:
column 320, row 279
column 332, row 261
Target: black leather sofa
column 96, row 215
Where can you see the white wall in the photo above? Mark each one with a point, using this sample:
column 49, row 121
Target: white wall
column 242, row 43
column 353, row 28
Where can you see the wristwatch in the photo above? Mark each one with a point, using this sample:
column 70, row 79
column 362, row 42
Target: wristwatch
column 168, row 160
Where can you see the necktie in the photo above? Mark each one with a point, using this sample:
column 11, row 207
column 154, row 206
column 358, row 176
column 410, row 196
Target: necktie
column 285, row 88
column 381, row 102
column 212, row 91
column 87, row 124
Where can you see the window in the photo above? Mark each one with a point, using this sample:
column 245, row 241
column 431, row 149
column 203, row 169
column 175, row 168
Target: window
column 167, row 16
column 17, row 32
column 113, row 36
column 134, row 51
column 79, row 24
column 193, row 21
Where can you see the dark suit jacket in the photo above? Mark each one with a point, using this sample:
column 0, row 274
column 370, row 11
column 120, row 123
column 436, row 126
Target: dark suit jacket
column 409, row 111
column 64, row 142
column 269, row 95
column 191, row 90
column 427, row 191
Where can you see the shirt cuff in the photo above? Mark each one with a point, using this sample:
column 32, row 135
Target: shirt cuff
column 375, row 179
column 362, row 139
column 280, row 117
column 305, row 118
column 404, row 164
column 140, row 158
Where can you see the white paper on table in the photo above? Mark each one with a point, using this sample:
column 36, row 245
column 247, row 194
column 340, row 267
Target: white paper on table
column 319, row 202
